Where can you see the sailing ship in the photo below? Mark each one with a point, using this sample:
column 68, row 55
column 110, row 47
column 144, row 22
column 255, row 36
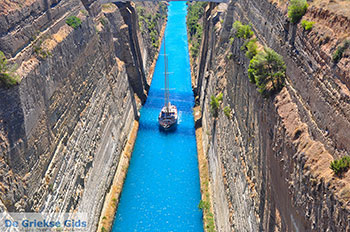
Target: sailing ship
column 168, row 115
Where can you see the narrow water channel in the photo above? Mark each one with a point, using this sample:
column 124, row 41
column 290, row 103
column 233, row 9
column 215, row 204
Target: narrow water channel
column 161, row 190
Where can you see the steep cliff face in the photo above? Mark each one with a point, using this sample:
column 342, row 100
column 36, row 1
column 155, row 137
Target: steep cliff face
column 62, row 129
column 269, row 162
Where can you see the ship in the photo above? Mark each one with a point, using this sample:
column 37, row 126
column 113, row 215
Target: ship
column 167, row 118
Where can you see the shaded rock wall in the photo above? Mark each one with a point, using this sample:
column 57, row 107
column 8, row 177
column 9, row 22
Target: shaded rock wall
column 269, row 163
column 148, row 47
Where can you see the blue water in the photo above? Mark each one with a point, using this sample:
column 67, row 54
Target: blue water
column 161, row 191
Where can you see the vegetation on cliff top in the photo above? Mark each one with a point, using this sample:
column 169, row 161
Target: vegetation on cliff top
column 73, row 21
column 296, row 10
column 195, row 30
column 7, row 76
column 340, row 165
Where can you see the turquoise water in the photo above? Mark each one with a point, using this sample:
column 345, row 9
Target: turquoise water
column 161, row 191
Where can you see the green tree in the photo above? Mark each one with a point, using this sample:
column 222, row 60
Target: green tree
column 242, row 31
column 73, row 21
column 338, row 54
column 307, row 25
column 341, row 165
column 232, row 40
column 296, row 10
column 267, row 70
column 252, row 48
column 215, row 104
column 227, row 112
column 3, row 63
column 195, row 12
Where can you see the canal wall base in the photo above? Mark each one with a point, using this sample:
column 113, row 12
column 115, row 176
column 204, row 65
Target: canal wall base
column 112, row 197
column 205, row 183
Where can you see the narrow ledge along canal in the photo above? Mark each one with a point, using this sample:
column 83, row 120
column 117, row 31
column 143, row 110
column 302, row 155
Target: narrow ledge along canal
column 162, row 191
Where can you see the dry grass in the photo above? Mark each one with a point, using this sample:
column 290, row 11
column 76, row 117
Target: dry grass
column 112, row 197
column 121, row 64
column 203, row 168
column 108, row 7
column 57, row 38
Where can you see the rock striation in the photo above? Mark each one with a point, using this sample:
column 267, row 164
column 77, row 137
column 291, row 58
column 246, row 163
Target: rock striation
column 269, row 162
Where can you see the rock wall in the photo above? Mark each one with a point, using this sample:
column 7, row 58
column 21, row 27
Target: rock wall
column 149, row 48
column 269, row 162
column 63, row 128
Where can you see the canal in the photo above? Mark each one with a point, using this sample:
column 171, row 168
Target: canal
column 162, row 191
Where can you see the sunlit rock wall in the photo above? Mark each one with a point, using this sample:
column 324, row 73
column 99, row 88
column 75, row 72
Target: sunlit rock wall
column 269, row 163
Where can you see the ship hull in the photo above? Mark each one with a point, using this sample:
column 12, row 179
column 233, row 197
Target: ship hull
column 167, row 118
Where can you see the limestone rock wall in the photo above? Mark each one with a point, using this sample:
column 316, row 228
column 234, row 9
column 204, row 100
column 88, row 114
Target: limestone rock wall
column 269, row 162
column 63, row 128
column 20, row 23
column 149, row 48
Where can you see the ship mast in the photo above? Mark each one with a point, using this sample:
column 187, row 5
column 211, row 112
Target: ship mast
column 166, row 81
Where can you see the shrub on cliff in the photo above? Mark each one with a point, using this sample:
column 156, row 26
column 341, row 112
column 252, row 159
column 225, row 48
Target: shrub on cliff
column 242, row 31
column 215, row 105
column 307, row 25
column 227, row 112
column 3, row 63
column 296, row 10
column 231, row 40
column 103, row 21
column 267, row 70
column 195, row 50
column 39, row 51
column 73, row 21
column 341, row 165
column 252, row 48
column 338, row 54
column 7, row 76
